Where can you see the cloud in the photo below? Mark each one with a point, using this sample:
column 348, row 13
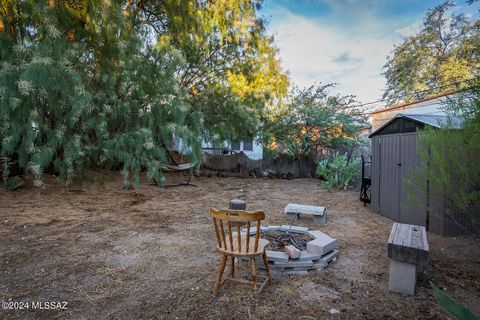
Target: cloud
column 316, row 52
column 409, row 30
column 346, row 57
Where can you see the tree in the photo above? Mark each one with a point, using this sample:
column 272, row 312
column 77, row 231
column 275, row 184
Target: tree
column 78, row 93
column 311, row 118
column 451, row 162
column 443, row 55
column 94, row 84
column 231, row 69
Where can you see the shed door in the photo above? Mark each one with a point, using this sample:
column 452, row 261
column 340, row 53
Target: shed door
column 390, row 174
column 412, row 209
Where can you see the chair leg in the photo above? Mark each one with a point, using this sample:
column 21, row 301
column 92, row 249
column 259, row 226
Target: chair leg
column 219, row 276
column 265, row 262
column 254, row 276
column 232, row 269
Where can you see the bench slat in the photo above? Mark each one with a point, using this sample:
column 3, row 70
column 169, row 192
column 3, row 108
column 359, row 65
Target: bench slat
column 408, row 243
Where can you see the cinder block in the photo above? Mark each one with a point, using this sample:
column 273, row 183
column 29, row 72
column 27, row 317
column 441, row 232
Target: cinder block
column 320, row 220
column 402, row 277
column 294, row 264
column 329, row 257
column 306, row 255
column 322, row 244
column 293, row 229
column 253, row 230
column 295, row 273
column 277, row 256
column 320, row 265
column 303, row 269
column 293, row 216
column 243, row 234
column 305, row 209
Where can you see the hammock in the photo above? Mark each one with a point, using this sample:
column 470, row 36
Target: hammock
column 179, row 168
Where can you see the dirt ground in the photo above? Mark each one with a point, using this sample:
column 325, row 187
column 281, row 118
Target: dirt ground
column 150, row 254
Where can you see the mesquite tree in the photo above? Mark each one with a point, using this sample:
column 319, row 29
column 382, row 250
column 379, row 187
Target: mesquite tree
column 111, row 83
column 443, row 55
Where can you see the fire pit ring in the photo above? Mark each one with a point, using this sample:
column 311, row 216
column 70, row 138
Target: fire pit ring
column 318, row 251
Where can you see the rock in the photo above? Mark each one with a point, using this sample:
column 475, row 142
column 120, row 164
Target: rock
column 333, row 311
column 292, row 252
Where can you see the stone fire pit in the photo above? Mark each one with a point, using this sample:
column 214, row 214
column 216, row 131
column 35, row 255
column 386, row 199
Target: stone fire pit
column 317, row 250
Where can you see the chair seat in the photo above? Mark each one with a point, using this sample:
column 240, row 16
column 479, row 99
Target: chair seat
column 262, row 243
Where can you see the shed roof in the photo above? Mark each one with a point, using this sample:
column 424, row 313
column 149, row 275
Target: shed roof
column 437, row 121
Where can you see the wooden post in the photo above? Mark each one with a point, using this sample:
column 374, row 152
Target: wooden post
column 237, row 204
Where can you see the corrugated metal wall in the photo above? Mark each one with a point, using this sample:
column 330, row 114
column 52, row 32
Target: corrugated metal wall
column 413, row 209
column 390, row 175
column 375, row 189
column 394, row 160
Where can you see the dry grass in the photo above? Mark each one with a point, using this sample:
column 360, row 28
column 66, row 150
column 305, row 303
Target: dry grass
column 149, row 254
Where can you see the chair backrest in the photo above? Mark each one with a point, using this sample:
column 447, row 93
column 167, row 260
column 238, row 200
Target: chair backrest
column 225, row 240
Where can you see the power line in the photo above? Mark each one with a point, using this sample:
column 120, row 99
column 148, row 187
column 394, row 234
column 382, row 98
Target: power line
column 421, row 91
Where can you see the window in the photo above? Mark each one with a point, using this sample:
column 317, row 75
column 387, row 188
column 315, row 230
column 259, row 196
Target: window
column 248, row 145
column 235, row 145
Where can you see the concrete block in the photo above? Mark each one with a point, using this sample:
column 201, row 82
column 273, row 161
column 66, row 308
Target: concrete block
column 292, row 252
column 276, row 274
column 243, row 234
column 253, row 230
column 330, row 257
column 320, row 265
column 277, row 256
column 293, row 216
column 301, row 208
column 294, row 264
column 295, row 229
column 320, row 220
column 274, row 228
column 295, row 273
column 402, row 277
column 306, row 255
column 303, row 268
column 322, row 244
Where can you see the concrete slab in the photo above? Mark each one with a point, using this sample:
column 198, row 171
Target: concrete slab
column 305, row 209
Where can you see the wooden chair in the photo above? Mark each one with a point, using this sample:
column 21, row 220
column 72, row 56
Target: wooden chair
column 235, row 245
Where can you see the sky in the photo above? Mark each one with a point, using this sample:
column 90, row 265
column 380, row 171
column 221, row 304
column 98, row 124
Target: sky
column 345, row 41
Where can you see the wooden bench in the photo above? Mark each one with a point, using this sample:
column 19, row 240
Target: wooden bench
column 319, row 214
column 408, row 253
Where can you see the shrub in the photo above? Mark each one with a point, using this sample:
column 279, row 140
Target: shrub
column 338, row 171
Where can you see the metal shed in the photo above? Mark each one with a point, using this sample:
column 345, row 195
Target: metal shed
column 394, row 159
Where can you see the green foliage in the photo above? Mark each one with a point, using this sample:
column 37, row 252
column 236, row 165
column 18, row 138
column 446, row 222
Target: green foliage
column 338, row 171
column 453, row 307
column 13, row 183
column 442, row 56
column 83, row 85
column 312, row 119
column 231, row 69
column 78, row 93
column 451, row 160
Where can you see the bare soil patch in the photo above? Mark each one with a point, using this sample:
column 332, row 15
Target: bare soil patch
column 150, row 254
